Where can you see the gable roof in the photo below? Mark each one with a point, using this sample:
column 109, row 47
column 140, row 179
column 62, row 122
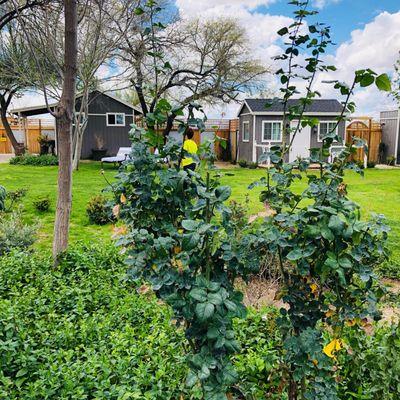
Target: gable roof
column 42, row 109
column 259, row 106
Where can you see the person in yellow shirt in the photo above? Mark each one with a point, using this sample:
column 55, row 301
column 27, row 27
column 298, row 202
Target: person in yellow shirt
column 190, row 147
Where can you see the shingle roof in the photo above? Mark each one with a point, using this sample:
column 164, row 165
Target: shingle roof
column 319, row 105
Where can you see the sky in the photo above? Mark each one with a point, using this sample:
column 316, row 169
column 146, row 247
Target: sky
column 366, row 34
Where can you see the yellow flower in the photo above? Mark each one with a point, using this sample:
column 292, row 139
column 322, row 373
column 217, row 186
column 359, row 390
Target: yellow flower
column 330, row 313
column 177, row 249
column 351, row 322
column 332, row 347
column 123, row 198
column 314, row 288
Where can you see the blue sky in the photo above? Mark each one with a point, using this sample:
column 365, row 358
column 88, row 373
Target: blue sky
column 343, row 16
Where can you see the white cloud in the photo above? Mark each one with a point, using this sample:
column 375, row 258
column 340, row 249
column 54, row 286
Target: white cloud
column 191, row 8
column 376, row 46
column 323, row 3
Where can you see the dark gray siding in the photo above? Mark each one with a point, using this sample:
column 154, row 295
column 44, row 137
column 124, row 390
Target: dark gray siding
column 245, row 149
column 390, row 125
column 113, row 137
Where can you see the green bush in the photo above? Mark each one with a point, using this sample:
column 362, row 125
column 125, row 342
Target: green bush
column 42, row 204
column 38, row 161
column 3, row 196
column 371, row 164
column 370, row 369
column 243, row 163
column 14, row 234
column 81, row 331
column 391, row 160
column 99, row 211
column 252, row 165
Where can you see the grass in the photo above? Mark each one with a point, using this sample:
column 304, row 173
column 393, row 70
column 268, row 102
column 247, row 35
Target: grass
column 377, row 192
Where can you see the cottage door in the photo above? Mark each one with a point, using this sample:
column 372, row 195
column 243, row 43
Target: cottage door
column 301, row 144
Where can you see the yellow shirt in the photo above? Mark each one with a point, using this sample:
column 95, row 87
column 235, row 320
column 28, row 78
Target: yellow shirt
column 191, row 147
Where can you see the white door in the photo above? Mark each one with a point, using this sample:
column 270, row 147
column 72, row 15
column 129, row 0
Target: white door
column 301, row 144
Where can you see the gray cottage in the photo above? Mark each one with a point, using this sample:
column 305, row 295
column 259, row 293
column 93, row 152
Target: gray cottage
column 390, row 122
column 108, row 125
column 260, row 127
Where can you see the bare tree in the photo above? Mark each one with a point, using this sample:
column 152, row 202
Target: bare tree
column 186, row 61
column 96, row 48
column 14, row 65
column 9, row 10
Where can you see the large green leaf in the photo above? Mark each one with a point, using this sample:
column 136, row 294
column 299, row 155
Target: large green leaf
column 205, row 311
column 383, row 83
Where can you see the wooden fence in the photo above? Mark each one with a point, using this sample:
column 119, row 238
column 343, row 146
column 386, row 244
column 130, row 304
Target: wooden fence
column 27, row 131
column 370, row 131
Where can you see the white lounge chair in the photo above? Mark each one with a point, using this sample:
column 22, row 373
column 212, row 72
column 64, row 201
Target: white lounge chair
column 121, row 156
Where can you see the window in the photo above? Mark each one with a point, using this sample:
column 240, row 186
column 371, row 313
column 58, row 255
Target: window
column 246, row 131
column 115, row 119
column 272, row 132
column 325, row 128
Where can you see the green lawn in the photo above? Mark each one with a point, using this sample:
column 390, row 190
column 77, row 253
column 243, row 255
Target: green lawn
column 377, row 192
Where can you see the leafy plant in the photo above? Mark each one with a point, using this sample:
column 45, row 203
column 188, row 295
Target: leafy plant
column 42, row 204
column 243, row 163
column 326, row 253
column 391, row 160
column 99, row 210
column 3, row 196
column 83, row 331
column 252, row 165
column 182, row 241
column 14, row 234
column 371, row 164
column 38, row 161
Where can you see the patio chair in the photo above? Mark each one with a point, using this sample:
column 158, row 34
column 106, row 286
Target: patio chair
column 121, row 156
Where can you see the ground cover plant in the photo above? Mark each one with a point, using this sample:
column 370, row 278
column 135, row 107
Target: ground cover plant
column 107, row 338
column 38, row 161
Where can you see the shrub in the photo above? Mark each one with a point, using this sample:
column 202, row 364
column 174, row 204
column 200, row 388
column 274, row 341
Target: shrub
column 42, row 204
column 243, row 163
column 3, row 196
column 252, row 165
column 371, row 164
column 38, row 161
column 391, row 160
column 82, row 331
column 14, row 234
column 98, row 210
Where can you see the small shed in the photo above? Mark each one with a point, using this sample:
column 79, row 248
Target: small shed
column 109, row 123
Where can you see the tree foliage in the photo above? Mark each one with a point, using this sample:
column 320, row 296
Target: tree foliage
column 182, row 241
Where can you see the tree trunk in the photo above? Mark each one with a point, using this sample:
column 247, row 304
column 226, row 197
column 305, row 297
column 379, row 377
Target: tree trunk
column 80, row 127
column 292, row 390
column 18, row 148
column 64, row 115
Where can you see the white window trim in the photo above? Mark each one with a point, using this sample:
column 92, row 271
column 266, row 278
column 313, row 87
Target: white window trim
column 248, row 124
column 116, row 113
column 263, row 130
column 319, row 140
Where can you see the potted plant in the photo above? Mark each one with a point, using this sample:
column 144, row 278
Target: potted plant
column 99, row 152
